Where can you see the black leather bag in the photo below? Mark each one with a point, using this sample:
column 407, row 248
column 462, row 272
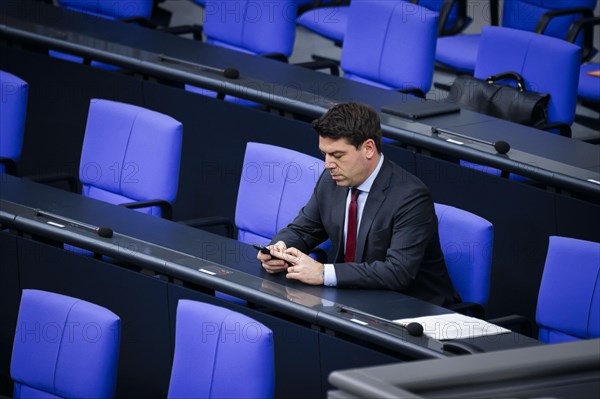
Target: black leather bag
column 503, row 101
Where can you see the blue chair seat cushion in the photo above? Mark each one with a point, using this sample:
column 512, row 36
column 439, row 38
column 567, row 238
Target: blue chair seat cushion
column 458, row 52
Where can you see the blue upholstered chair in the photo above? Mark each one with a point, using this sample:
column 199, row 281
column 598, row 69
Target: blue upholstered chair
column 131, row 156
column 64, row 348
column 466, row 240
column 459, row 52
column 259, row 27
column 276, row 183
column 504, row 49
column 13, row 107
column 398, row 54
column 220, row 354
column 332, row 22
column 588, row 90
column 125, row 10
column 568, row 306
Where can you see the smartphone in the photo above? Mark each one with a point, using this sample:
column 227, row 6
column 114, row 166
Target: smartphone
column 264, row 250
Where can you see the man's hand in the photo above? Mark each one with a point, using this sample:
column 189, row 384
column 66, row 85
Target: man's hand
column 302, row 267
column 270, row 263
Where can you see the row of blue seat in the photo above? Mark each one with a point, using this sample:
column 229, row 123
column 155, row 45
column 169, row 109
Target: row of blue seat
column 65, row 347
column 394, row 44
column 123, row 142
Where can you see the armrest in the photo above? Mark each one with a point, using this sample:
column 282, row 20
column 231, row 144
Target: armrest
column 563, row 128
column 587, row 25
column 10, row 167
column 588, row 41
column 165, row 207
column 212, row 221
column 523, row 324
column 443, row 17
column 462, row 20
column 334, row 68
column 56, row 177
column 470, row 309
column 195, row 30
column 547, row 17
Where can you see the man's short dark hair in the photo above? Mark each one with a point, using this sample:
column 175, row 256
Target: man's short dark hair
column 353, row 121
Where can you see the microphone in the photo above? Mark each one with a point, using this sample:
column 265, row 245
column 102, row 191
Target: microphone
column 415, row 329
column 105, row 232
column 229, row 73
column 61, row 221
column 501, row 147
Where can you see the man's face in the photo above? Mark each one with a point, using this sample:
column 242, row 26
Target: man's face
column 348, row 165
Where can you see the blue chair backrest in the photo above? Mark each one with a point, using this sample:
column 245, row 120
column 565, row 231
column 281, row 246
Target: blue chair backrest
column 275, row 184
column 525, row 14
column 390, row 44
column 527, row 53
column 111, row 9
column 64, row 348
column 13, row 107
column 220, row 353
column 466, row 240
column 568, row 306
column 251, row 26
column 130, row 154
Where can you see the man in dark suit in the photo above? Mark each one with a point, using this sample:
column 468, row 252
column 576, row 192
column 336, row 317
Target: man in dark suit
column 380, row 218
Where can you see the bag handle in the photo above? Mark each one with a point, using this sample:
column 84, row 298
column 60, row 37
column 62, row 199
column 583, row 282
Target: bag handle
column 508, row 75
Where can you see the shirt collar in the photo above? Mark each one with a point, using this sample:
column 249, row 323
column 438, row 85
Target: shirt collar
column 366, row 185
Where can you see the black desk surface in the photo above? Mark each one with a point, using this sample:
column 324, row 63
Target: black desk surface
column 223, row 264
column 548, row 158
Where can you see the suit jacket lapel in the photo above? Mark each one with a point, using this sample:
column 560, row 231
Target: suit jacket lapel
column 374, row 200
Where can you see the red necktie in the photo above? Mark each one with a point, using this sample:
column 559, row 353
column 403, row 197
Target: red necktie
column 352, row 221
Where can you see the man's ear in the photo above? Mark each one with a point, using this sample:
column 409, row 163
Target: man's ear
column 370, row 148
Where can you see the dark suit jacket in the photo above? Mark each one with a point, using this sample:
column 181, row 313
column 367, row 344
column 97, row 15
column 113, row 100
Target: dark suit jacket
column 398, row 246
